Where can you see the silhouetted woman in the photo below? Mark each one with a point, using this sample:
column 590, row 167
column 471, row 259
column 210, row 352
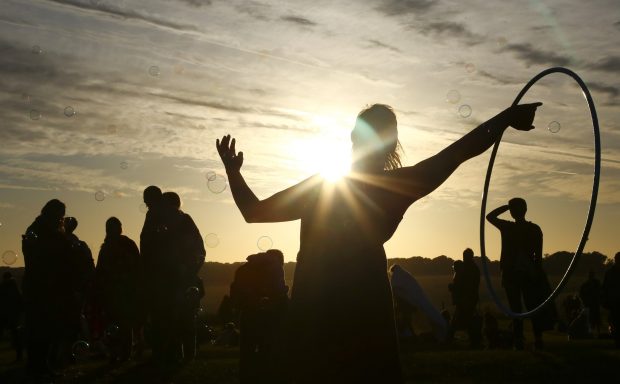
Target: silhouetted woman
column 342, row 318
column 46, row 287
column 118, row 281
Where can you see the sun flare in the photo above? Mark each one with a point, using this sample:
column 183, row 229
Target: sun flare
column 328, row 157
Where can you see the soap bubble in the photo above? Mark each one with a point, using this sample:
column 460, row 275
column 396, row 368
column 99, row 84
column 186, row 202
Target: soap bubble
column 217, row 184
column 210, row 175
column 35, row 114
column 154, row 71
column 9, row 257
column 464, row 111
column 554, row 127
column 36, row 50
column 99, row 196
column 453, row 96
column 192, row 293
column 264, row 243
column 80, row 349
column 69, row 111
column 470, row 68
column 124, row 165
column 212, row 240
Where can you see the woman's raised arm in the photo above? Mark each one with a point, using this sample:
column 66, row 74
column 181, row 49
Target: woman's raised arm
column 424, row 177
column 285, row 205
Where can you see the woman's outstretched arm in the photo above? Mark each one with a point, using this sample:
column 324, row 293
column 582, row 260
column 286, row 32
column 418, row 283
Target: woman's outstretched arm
column 285, row 205
column 424, row 177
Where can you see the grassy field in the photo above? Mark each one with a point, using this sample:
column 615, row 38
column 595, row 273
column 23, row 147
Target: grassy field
column 561, row 361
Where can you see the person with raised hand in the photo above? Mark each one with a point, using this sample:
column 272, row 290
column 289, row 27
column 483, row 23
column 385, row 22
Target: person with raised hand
column 341, row 323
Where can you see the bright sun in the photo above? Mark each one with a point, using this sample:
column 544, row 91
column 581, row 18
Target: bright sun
column 324, row 155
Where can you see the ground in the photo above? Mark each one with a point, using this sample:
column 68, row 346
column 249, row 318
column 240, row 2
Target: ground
column 561, row 361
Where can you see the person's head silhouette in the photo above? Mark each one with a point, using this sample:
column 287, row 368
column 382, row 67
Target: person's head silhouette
column 71, row 224
column 468, row 255
column 171, row 201
column 152, row 196
column 518, row 208
column 113, row 227
column 53, row 212
column 374, row 139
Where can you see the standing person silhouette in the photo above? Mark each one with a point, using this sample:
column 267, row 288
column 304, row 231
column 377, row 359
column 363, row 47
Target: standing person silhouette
column 46, row 285
column 341, row 321
column 611, row 298
column 464, row 288
column 118, row 279
column 521, row 266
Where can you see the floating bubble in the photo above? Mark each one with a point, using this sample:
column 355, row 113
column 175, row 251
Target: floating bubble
column 69, row 111
column 35, row 114
column 470, row 68
column 212, row 240
column 464, row 111
column 143, row 208
column 217, row 184
column 210, row 175
column 124, row 165
column 154, row 71
column 192, row 293
column 99, row 196
column 264, row 243
column 9, row 257
column 36, row 50
column 80, row 350
column 453, row 96
column 554, row 127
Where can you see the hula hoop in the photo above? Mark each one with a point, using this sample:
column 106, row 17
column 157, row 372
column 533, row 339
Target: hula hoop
column 590, row 217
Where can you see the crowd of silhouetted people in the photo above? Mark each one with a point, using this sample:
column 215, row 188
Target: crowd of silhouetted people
column 338, row 325
column 67, row 302
column 73, row 308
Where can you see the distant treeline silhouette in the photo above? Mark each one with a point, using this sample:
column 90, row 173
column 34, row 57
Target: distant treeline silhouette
column 215, row 273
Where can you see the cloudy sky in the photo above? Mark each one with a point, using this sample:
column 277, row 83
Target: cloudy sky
column 101, row 98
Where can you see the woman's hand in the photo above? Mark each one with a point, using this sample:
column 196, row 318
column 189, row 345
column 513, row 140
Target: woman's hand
column 521, row 116
column 226, row 148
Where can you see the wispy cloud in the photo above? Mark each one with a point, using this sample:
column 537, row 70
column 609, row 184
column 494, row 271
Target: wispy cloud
column 533, row 56
column 298, row 20
column 125, row 13
column 197, row 3
column 450, row 30
column 404, row 7
column 379, row 44
column 608, row 64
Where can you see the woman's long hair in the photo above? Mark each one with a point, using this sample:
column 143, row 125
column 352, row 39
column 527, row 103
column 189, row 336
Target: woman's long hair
column 382, row 119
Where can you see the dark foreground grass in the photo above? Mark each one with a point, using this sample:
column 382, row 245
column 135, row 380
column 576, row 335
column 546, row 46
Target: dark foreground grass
column 586, row 361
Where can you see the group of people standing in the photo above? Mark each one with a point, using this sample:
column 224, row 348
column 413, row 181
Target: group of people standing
column 67, row 300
